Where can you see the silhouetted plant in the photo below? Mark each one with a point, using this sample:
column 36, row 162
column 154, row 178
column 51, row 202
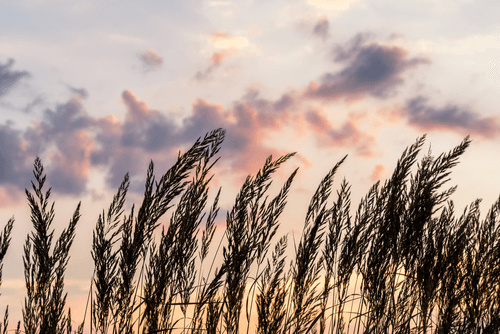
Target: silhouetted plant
column 5, row 239
column 44, row 265
column 401, row 263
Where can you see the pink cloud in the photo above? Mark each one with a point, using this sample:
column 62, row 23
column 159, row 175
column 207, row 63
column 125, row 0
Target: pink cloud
column 346, row 135
column 10, row 196
column 70, row 164
column 215, row 62
column 377, row 172
column 150, row 60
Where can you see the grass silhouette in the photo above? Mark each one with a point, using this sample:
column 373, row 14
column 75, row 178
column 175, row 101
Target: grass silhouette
column 402, row 263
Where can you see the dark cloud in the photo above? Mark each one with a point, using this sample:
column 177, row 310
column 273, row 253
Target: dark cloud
column 65, row 118
column 372, row 69
column 341, row 53
column 450, row 117
column 150, row 60
column 14, row 168
column 64, row 134
column 144, row 127
column 8, row 77
column 322, row 28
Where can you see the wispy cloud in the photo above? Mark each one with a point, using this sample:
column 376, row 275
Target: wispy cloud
column 222, row 40
column 215, row 62
column 9, row 77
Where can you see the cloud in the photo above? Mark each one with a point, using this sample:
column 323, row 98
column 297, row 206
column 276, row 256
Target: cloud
column 217, row 57
column 226, row 46
column 127, row 146
column 450, row 117
column 247, row 126
column 82, row 92
column 331, row 5
column 221, row 40
column 150, row 60
column 8, row 77
column 14, row 167
column 71, row 142
column 322, row 28
column 63, row 135
column 65, row 119
column 377, row 172
column 143, row 127
column 10, row 196
column 215, row 62
column 70, row 164
column 346, row 134
column 27, row 109
column 249, row 123
column 372, row 69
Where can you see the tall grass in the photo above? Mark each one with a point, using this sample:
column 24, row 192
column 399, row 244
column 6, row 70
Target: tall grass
column 402, row 262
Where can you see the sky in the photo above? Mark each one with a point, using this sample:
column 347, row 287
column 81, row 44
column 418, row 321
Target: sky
column 97, row 89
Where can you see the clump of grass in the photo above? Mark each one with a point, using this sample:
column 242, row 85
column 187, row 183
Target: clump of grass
column 5, row 239
column 402, row 262
column 44, row 265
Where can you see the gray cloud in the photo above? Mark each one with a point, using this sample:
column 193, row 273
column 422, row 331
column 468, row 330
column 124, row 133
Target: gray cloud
column 322, row 28
column 145, row 128
column 8, row 77
column 14, row 168
column 64, row 131
column 341, row 53
column 150, row 60
column 371, row 69
column 450, row 117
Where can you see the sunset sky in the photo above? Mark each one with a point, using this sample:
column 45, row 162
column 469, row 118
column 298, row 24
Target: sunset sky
column 99, row 88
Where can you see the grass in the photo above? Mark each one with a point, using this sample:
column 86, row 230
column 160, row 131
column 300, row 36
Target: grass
column 403, row 262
